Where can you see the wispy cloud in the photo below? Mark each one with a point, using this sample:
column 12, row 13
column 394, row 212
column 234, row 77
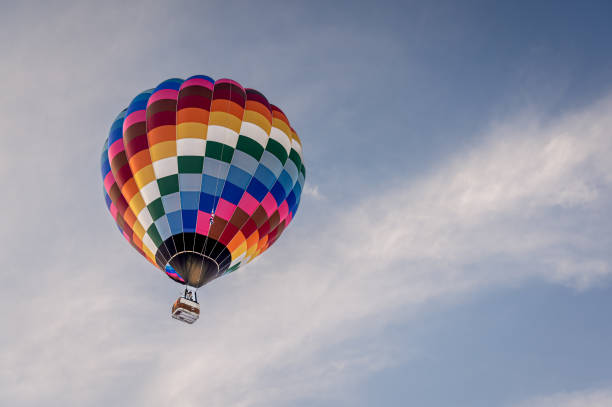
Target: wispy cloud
column 504, row 211
column 601, row 397
column 313, row 192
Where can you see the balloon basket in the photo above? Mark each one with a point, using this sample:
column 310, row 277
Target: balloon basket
column 186, row 310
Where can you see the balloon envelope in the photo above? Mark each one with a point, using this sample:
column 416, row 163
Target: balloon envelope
column 202, row 176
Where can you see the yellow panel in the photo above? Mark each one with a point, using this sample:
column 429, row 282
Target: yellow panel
column 252, row 243
column 226, row 120
column 262, row 243
column 150, row 256
column 144, row 176
column 137, row 203
column 296, row 137
column 237, row 245
column 241, row 249
column 258, row 119
column 191, row 130
column 139, row 231
column 162, row 150
column 282, row 126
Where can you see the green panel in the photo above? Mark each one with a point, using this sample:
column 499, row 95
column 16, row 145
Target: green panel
column 250, row 146
column 233, row 268
column 155, row 235
column 156, row 209
column 191, row 164
column 277, row 149
column 295, row 157
column 219, row 151
column 168, row 185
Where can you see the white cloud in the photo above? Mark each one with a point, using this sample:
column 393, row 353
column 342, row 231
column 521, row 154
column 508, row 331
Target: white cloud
column 313, row 192
column 601, row 397
column 272, row 334
column 532, row 201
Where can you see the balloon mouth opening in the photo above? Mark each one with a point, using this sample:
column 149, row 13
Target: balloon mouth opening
column 196, row 269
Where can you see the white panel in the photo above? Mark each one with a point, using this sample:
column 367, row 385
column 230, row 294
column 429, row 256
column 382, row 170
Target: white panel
column 145, row 219
column 281, row 137
column 165, row 167
column 150, row 192
column 146, row 240
column 222, row 135
column 297, row 147
column 255, row 132
column 191, row 146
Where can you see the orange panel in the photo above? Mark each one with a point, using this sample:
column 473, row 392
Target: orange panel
column 192, row 114
column 227, row 106
column 161, row 133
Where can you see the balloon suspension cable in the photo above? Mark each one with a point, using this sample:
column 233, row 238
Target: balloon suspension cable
column 190, row 293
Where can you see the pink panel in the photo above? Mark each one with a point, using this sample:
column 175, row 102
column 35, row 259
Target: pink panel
column 113, row 210
column 134, row 117
column 269, row 204
column 225, row 209
column 109, row 180
column 115, row 149
column 162, row 94
column 283, row 210
column 248, row 203
column 203, row 224
column 197, row 82
column 225, row 80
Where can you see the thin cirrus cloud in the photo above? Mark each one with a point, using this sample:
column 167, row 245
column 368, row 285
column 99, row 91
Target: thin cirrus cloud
column 502, row 212
column 498, row 213
column 599, row 397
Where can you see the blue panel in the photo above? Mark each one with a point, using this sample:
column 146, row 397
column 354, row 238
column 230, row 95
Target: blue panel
column 291, row 200
column 232, row 193
column 139, row 102
column 239, row 177
column 265, row 176
column 245, row 162
column 292, row 171
column 257, row 189
column 172, row 83
column 116, row 131
column 176, row 222
column 190, row 218
column 107, row 199
column 215, row 168
column 297, row 190
column 206, row 202
column 286, row 181
column 271, row 162
column 171, row 202
column 105, row 165
column 189, row 200
column 163, row 227
column 190, row 182
column 295, row 208
column 278, row 192
column 208, row 78
column 212, row 185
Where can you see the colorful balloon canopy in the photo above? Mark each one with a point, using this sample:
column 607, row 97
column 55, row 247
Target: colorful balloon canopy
column 202, row 176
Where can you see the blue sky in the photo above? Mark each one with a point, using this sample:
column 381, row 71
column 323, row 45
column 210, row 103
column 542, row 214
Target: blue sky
column 452, row 247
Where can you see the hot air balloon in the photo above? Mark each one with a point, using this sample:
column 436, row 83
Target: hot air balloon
column 201, row 177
